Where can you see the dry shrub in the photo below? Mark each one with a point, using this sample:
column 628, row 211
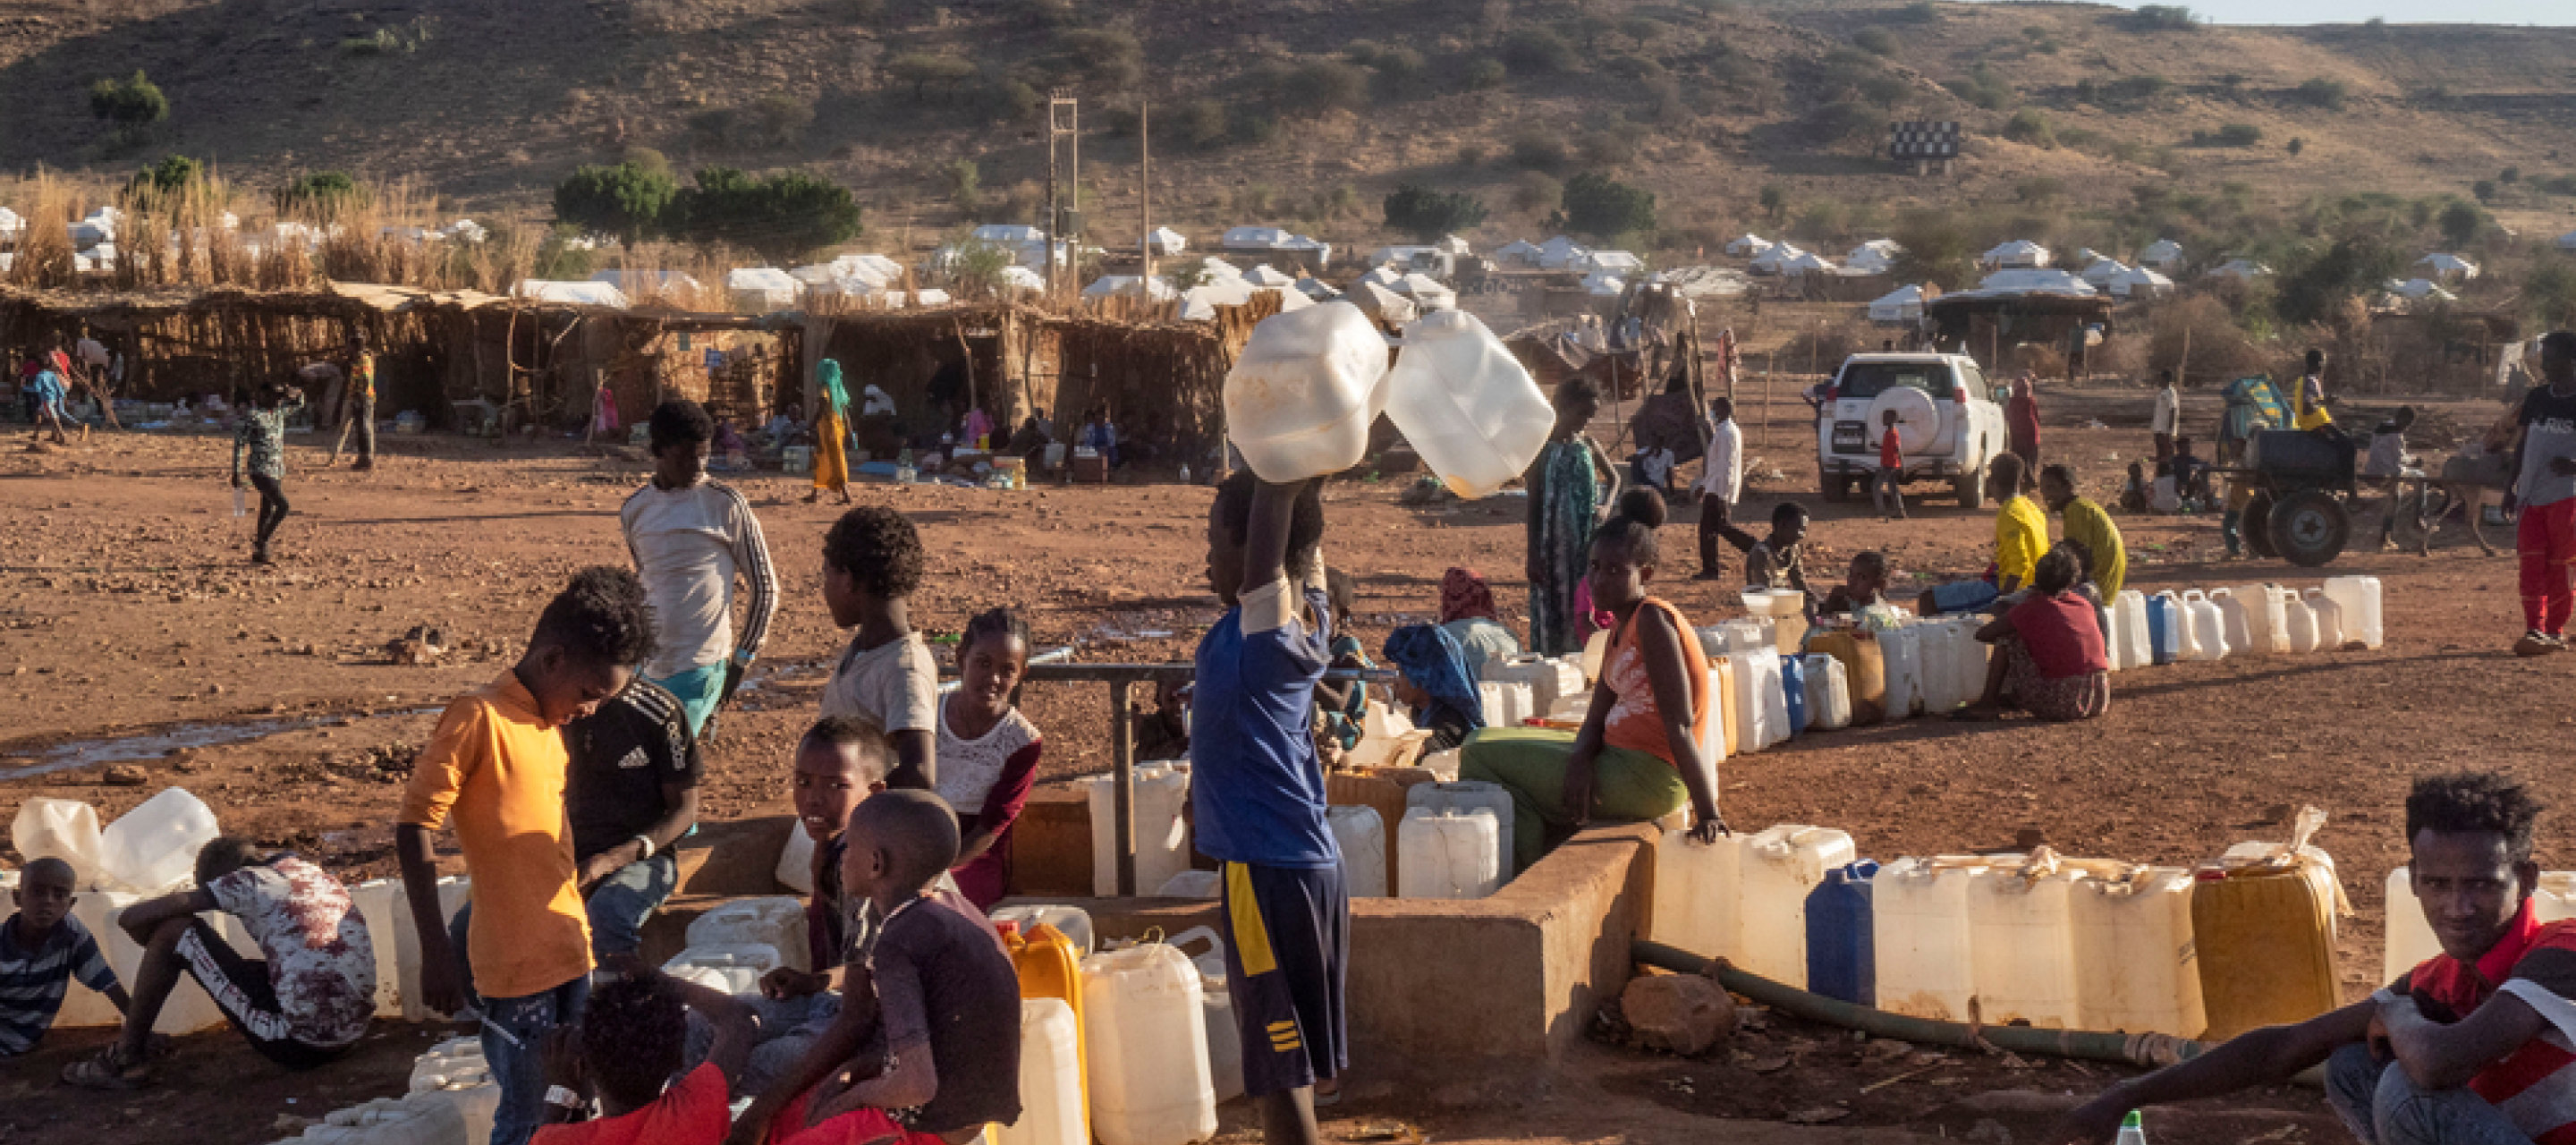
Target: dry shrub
column 2220, row 352
column 44, row 255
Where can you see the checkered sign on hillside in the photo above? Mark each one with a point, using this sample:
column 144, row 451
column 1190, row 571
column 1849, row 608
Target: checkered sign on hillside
column 1923, row 139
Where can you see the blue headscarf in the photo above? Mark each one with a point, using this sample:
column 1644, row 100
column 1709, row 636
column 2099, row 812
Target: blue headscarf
column 834, row 397
column 1437, row 664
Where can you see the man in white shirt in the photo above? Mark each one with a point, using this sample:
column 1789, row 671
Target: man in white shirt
column 690, row 536
column 1720, row 482
column 2168, row 415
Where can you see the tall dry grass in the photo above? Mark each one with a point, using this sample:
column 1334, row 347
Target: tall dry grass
column 44, row 255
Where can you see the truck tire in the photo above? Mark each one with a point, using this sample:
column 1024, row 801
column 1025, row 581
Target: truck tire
column 1971, row 486
column 2255, row 527
column 2309, row 528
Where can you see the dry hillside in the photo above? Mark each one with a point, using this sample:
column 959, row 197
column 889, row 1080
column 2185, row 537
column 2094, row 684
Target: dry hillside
column 1305, row 112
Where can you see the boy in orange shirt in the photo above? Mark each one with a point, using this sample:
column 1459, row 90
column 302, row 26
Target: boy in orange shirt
column 497, row 765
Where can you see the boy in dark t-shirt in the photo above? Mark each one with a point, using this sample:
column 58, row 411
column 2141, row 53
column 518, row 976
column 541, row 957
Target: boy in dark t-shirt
column 947, row 1000
column 1258, row 796
column 2545, row 489
column 632, row 792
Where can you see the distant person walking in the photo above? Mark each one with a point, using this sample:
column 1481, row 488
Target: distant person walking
column 2021, row 420
column 831, row 436
column 2544, row 455
column 259, row 448
column 45, row 399
column 1887, row 486
column 1721, row 481
column 2168, row 415
column 359, row 414
column 1565, row 499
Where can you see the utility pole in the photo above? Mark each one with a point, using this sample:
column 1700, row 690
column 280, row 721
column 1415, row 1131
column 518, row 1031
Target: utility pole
column 1145, row 158
column 1064, row 124
column 1047, row 224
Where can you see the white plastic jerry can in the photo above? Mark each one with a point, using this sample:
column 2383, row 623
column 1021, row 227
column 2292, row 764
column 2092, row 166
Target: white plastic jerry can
column 1780, row 866
column 1051, row 1105
column 1919, row 924
column 2022, row 939
column 1447, row 854
column 1145, row 1043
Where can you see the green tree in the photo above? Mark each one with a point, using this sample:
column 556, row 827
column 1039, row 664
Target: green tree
column 779, row 218
column 2322, row 92
column 172, row 173
column 2165, row 18
column 1600, row 207
column 2029, row 126
column 1486, row 72
column 1538, row 50
column 627, row 200
column 2352, row 267
column 2462, row 222
column 922, row 69
column 2484, row 189
column 1775, row 202
column 1885, row 90
column 975, row 267
column 1876, row 41
column 128, row 102
column 1427, row 214
column 1936, row 249
column 1320, row 86
column 323, row 195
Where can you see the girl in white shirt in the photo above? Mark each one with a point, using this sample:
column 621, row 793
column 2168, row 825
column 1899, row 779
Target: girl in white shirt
column 988, row 751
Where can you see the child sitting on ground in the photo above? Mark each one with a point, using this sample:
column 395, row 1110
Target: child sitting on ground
column 1434, row 683
column 988, row 751
column 872, row 564
column 1776, row 561
column 42, row 948
column 1863, row 586
column 2133, row 496
column 303, row 1006
column 627, row 1048
column 947, row 1010
column 2049, row 658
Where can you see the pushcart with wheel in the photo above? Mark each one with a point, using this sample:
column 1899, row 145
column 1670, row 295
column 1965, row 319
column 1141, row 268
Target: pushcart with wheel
column 2303, row 494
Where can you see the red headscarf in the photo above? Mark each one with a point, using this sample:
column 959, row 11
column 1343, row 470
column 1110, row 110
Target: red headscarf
column 1465, row 596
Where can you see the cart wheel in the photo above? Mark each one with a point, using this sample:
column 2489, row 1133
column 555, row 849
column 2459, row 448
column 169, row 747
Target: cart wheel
column 2310, row 527
column 2255, row 527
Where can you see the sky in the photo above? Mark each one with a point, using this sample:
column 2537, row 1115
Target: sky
column 2557, row 12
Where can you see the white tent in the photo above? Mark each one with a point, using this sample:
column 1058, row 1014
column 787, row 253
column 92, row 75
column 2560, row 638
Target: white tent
column 2413, row 287
column 1385, row 276
column 1199, row 303
column 1215, row 269
column 1165, row 240
column 1399, row 255
column 1386, row 305
column 1604, row 285
column 1808, row 262
column 1109, row 284
column 1614, row 261
column 2139, row 282
column 1263, row 275
column 1904, row 304
column 2103, row 271
column 1779, row 256
column 646, row 283
column 1427, row 292
column 1007, row 235
column 1316, row 289
column 1257, row 238
column 2162, row 254
column 1452, row 244
column 2019, row 253
column 2240, row 268
column 10, row 222
column 1561, row 253
column 1022, row 278
column 2446, row 266
column 762, row 289
column 2033, row 280
column 1522, row 252
column 575, row 293
column 1748, row 245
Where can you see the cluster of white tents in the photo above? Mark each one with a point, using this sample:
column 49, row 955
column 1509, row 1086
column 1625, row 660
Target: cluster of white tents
column 1787, row 258
column 1219, row 283
column 1254, row 239
column 2121, row 280
column 1565, row 254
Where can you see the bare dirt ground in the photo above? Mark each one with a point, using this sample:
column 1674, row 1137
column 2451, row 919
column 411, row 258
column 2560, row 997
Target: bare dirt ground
column 129, row 610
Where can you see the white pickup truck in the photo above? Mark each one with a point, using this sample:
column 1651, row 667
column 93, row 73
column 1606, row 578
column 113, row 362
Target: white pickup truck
column 1948, row 424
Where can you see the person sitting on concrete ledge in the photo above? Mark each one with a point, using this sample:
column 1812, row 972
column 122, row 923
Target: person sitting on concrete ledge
column 2468, row 1048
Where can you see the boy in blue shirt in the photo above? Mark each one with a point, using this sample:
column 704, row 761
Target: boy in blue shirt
column 50, row 393
column 1258, row 794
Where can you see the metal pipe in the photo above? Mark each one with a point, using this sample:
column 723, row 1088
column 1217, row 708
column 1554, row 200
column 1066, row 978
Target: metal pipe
column 1122, row 760
column 2089, row 1045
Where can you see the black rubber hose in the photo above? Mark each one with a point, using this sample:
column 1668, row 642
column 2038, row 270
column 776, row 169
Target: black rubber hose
column 2089, row 1045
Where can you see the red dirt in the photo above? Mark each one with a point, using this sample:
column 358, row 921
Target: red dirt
column 130, row 609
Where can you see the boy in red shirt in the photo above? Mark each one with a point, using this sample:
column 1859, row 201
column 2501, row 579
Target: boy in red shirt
column 1887, row 488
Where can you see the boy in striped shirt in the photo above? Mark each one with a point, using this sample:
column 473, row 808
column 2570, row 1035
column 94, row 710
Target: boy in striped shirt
column 42, row 948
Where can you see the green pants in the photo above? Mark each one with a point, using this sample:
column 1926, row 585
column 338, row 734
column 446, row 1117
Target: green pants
column 1530, row 763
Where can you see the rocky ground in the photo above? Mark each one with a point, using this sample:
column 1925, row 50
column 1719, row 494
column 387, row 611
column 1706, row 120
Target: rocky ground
column 137, row 651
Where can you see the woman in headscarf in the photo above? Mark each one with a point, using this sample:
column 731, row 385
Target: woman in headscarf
column 1432, row 680
column 1565, row 499
column 831, row 433
column 1467, row 615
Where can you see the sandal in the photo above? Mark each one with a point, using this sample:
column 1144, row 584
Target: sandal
column 103, row 1072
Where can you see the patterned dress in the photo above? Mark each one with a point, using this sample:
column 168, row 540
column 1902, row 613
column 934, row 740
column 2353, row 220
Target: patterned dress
column 1569, row 498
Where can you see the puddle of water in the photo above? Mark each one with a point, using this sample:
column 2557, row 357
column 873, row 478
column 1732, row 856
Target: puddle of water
column 154, row 745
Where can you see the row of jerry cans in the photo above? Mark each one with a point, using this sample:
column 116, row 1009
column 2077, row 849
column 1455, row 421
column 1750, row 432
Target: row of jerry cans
column 1454, row 842
column 451, row 1100
column 2244, row 942
column 1134, row 1046
column 2244, row 620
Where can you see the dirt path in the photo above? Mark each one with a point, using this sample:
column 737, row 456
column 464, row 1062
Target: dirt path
column 128, row 609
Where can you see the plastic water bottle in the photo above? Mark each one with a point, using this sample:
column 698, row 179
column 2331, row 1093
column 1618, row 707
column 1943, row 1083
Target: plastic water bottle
column 2132, row 1130
column 1185, row 474
column 241, row 501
